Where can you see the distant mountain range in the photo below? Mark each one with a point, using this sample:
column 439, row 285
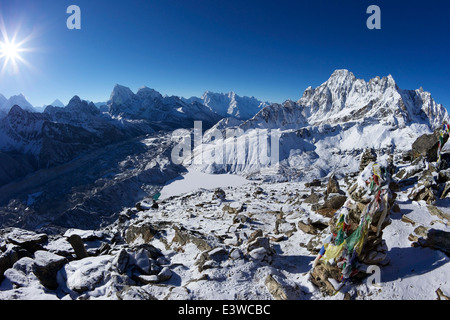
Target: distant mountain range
column 119, row 151
column 329, row 124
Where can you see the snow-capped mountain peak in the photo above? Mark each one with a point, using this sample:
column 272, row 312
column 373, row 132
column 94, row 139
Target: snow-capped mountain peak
column 57, row 103
column 148, row 93
column 343, row 97
column 121, row 94
column 2, row 99
column 19, row 100
column 230, row 104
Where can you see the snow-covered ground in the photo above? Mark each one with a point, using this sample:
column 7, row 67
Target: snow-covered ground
column 206, row 249
column 195, row 179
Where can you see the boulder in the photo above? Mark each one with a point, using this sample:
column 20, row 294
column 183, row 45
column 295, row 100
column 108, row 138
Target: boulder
column 121, row 260
column 367, row 157
column 275, row 288
column 330, row 206
column 46, row 266
column 446, row 190
column 78, row 246
column 311, row 227
column 438, row 240
column 7, row 259
column 333, row 185
column 427, row 146
column 86, row 274
column 219, row 194
column 260, row 249
column 30, row 241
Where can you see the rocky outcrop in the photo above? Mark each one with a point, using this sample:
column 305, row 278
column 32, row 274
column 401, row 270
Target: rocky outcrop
column 427, row 146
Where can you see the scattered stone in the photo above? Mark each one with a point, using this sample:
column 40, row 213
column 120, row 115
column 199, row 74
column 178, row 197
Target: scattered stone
column 446, row 190
column 335, row 202
column 235, row 254
column 135, row 293
column 218, row 254
column 259, row 254
column 17, row 278
column 149, row 279
column 314, row 183
column 330, row 206
column 183, row 236
column 396, row 208
column 333, row 185
column 121, row 261
column 306, row 227
column 321, row 275
column 441, row 295
column 165, row 274
column 408, row 220
column 421, row 231
column 421, row 192
column 219, row 194
column 143, row 231
column 258, row 191
column 275, row 288
column 86, row 274
column 438, row 213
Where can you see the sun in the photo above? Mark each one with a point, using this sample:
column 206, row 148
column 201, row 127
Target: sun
column 11, row 52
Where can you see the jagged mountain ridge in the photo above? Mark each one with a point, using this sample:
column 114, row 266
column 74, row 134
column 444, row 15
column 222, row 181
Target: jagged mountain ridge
column 168, row 112
column 343, row 98
column 7, row 104
column 329, row 125
column 230, row 104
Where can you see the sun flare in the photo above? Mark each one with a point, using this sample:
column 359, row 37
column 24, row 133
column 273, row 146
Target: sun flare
column 9, row 50
column 11, row 53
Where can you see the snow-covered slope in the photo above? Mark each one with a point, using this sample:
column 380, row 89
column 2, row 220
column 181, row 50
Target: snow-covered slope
column 258, row 244
column 230, row 104
column 344, row 98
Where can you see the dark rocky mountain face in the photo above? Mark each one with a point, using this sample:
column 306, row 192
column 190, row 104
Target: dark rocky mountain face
column 168, row 113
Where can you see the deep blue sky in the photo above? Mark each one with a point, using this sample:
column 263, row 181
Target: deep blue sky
column 272, row 50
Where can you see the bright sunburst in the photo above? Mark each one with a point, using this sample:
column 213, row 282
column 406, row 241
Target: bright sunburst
column 10, row 52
